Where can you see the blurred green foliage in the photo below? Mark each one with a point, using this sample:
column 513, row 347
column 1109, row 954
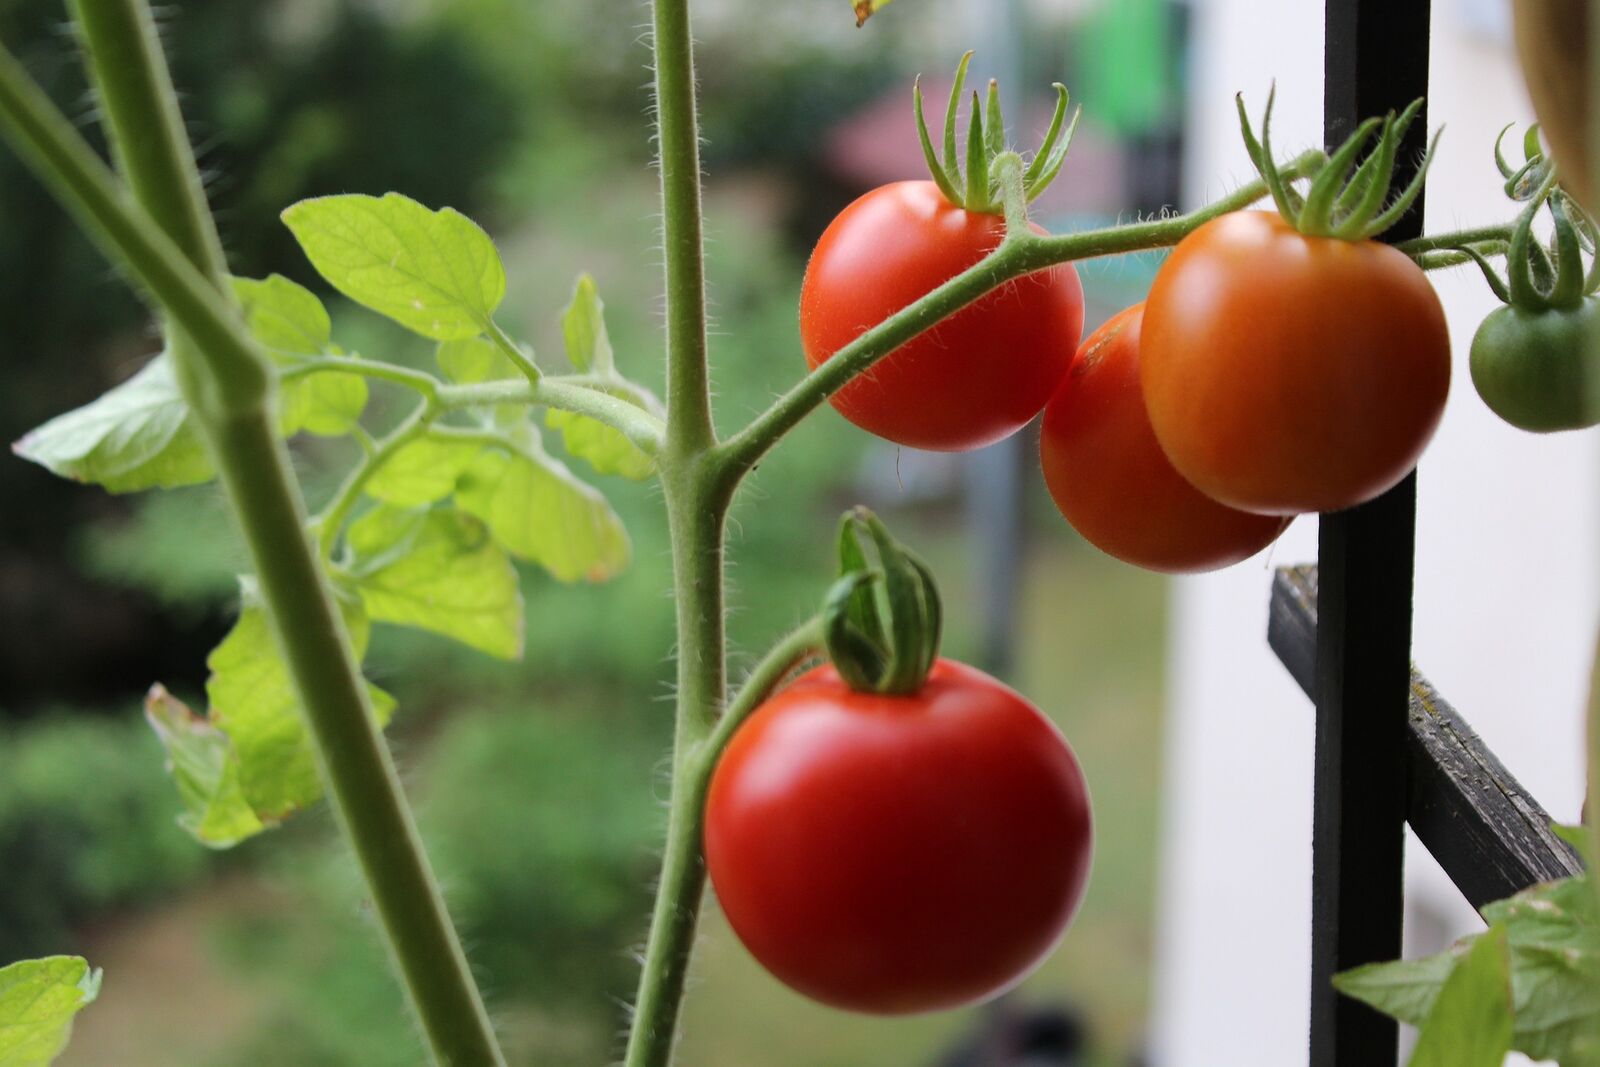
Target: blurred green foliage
column 86, row 826
column 542, row 825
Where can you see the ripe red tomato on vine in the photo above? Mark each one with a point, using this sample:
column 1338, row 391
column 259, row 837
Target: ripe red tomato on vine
column 975, row 378
column 896, row 853
column 986, row 371
column 1111, row 481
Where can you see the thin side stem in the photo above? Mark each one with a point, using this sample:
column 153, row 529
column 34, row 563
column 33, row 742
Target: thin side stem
column 418, row 381
column 513, row 351
column 801, row 644
column 1018, row 255
column 683, row 864
column 330, row 522
column 1435, row 242
column 578, row 393
column 642, row 429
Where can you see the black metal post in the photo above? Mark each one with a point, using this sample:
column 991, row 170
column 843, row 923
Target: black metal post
column 1376, row 57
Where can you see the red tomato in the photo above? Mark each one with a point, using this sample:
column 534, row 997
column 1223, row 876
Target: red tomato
column 1113, row 483
column 975, row 378
column 897, row 854
column 1286, row 373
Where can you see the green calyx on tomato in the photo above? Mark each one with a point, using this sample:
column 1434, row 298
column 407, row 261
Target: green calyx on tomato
column 881, row 624
column 1536, row 361
column 986, row 139
column 1347, row 199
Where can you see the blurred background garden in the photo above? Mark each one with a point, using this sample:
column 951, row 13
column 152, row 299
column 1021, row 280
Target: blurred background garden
column 538, row 783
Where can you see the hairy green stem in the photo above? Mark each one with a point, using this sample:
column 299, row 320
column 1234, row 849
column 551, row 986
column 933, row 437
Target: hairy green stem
column 513, row 351
column 163, row 237
column 678, row 134
column 697, row 507
column 683, row 864
column 330, row 522
column 642, row 429
column 1435, row 242
column 418, row 381
column 1022, row 252
column 350, row 749
column 581, row 394
column 801, row 644
column 124, row 231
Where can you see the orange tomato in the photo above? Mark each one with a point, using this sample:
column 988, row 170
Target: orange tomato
column 1286, row 373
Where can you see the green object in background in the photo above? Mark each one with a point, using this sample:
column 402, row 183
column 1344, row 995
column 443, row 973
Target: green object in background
column 1123, row 55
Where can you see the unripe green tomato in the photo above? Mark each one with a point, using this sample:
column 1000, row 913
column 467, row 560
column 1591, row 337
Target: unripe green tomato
column 1540, row 370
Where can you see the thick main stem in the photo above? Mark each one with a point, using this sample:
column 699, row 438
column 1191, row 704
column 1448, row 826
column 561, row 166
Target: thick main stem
column 678, row 134
column 697, row 499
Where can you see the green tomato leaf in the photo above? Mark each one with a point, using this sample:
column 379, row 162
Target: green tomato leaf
column 1470, row 1023
column 1405, row 989
column 434, row 272
column 474, row 360
column 292, row 325
column 1553, row 931
column 285, row 317
column 205, row 768
column 583, row 327
column 422, row 471
column 253, row 702
column 38, row 999
column 327, row 403
column 140, row 435
column 438, row 570
column 1578, row 838
column 538, row 511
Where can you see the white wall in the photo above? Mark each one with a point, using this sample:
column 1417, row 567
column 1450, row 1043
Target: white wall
column 1508, row 586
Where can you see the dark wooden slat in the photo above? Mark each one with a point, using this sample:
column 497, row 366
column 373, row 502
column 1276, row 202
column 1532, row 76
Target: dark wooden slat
column 1375, row 60
column 1491, row 837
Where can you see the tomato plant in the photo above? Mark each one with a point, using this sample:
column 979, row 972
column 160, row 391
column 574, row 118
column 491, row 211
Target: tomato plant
column 1110, row 479
column 898, row 853
column 983, row 373
column 978, row 376
column 894, row 832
